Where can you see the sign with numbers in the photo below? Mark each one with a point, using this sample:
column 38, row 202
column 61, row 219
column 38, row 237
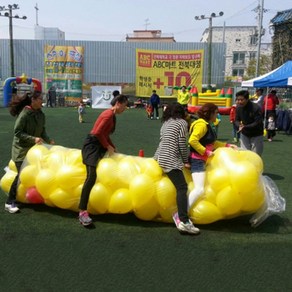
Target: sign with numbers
column 163, row 70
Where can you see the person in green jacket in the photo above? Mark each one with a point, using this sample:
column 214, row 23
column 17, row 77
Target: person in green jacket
column 29, row 129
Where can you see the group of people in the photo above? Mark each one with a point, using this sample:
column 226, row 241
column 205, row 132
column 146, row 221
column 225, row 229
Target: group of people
column 182, row 145
column 172, row 153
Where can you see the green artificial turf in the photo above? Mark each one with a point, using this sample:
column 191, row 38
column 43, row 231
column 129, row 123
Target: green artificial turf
column 46, row 249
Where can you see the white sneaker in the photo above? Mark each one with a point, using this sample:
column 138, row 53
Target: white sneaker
column 188, row 227
column 11, row 208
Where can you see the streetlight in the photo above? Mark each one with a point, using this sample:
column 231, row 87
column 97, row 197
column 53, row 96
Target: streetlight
column 202, row 17
column 9, row 14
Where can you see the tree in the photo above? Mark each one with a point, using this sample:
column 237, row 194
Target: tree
column 265, row 66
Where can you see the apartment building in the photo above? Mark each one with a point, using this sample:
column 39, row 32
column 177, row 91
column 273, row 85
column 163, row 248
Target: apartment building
column 241, row 47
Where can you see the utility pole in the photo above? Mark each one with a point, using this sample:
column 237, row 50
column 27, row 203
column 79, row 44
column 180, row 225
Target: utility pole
column 36, row 14
column 213, row 15
column 260, row 23
column 10, row 16
column 146, row 23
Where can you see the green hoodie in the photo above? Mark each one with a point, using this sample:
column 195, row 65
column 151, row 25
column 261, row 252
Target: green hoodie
column 29, row 125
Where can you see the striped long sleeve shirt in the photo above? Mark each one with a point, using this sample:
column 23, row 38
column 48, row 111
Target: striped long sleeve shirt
column 172, row 151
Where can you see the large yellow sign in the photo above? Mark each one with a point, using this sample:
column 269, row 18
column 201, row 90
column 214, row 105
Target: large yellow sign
column 163, row 70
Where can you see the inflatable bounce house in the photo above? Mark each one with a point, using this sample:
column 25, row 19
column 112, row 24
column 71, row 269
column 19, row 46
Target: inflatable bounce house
column 12, row 84
column 221, row 99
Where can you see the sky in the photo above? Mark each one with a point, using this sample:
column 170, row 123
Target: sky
column 113, row 20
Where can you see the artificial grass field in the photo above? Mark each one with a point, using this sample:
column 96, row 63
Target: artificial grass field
column 46, row 249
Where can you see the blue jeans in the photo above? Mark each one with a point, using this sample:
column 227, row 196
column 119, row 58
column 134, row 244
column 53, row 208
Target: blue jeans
column 197, row 165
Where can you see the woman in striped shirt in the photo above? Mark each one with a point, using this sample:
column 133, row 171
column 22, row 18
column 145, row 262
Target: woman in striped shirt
column 172, row 156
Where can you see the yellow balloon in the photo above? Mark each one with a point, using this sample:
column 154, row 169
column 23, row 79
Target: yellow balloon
column 107, row 171
column 55, row 159
column 205, row 212
column 63, row 199
column 58, row 148
column 12, row 165
column 142, row 189
column 165, row 193
column 218, row 178
column 120, row 202
column 148, row 211
column 36, row 154
column 45, row 182
column 191, row 186
column 244, row 177
column 99, row 199
column 165, row 215
column 69, row 177
column 187, row 175
column 49, row 203
column 223, row 157
column 228, row 201
column 127, row 169
column 151, row 168
column 74, row 157
column 210, row 195
column 77, row 191
column 252, row 201
column 21, row 194
column 254, row 158
column 7, row 180
column 27, row 175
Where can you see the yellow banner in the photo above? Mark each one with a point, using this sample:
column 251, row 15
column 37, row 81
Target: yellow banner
column 163, row 70
column 64, row 71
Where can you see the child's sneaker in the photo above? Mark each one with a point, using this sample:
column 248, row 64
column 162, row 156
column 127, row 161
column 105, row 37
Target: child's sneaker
column 188, row 227
column 176, row 219
column 84, row 218
column 11, row 208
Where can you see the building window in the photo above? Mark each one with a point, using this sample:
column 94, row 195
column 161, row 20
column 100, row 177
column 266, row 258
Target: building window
column 253, row 40
column 237, row 72
column 238, row 58
column 252, row 55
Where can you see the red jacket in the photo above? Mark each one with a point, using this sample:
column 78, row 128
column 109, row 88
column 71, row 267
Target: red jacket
column 103, row 127
column 232, row 114
column 270, row 102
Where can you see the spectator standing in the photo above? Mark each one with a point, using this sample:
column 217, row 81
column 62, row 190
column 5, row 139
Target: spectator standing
column 81, row 111
column 271, row 128
column 270, row 103
column 155, row 102
column 249, row 121
column 259, row 99
column 184, row 97
column 235, row 132
column 52, row 96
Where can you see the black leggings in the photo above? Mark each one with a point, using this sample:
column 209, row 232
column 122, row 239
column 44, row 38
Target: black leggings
column 178, row 179
column 88, row 184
